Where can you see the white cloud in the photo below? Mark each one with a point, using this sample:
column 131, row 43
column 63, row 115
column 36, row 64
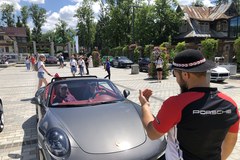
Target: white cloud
column 67, row 13
column 207, row 3
column 52, row 19
column 15, row 3
column 77, row 1
column 36, row 1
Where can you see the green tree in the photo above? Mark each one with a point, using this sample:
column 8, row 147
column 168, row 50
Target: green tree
column 38, row 16
column 209, row 48
column 145, row 25
column 8, row 15
column 48, row 36
column 237, row 49
column 19, row 23
column 24, row 15
column 85, row 26
column 198, row 3
column 102, row 29
column 167, row 20
column 217, row 2
column 61, row 32
column 119, row 25
column 24, row 18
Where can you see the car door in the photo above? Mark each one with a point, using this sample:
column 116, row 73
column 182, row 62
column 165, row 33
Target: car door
column 115, row 62
column 44, row 102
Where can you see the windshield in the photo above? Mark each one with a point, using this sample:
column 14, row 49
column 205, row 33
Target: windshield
column 146, row 59
column 84, row 92
column 123, row 58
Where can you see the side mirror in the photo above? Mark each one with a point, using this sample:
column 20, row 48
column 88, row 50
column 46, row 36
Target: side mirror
column 126, row 93
column 35, row 100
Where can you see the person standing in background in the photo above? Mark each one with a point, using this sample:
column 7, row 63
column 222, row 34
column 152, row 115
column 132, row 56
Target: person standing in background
column 33, row 61
column 27, row 62
column 86, row 64
column 107, row 68
column 42, row 70
column 159, row 68
column 81, row 65
column 61, row 60
column 73, row 65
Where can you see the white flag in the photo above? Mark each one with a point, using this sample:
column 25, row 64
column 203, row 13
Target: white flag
column 76, row 44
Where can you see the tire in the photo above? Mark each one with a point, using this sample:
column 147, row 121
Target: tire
column 37, row 119
column 1, row 118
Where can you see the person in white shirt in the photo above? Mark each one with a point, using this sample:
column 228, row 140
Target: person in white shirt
column 73, row 65
column 159, row 68
column 41, row 70
column 81, row 65
column 27, row 62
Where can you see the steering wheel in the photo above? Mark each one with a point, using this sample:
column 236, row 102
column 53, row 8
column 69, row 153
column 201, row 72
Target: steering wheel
column 100, row 92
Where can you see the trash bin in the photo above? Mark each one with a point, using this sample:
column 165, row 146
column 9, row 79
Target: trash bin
column 135, row 69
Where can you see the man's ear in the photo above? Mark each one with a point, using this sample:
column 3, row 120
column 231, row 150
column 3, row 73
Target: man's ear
column 186, row 75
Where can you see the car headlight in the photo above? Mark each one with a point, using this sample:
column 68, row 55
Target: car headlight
column 57, row 142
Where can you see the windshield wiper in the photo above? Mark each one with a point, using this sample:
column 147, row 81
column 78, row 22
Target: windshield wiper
column 106, row 102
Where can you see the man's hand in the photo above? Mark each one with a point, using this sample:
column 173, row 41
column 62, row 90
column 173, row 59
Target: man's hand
column 144, row 96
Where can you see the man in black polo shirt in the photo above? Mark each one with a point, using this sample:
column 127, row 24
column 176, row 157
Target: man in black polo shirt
column 202, row 123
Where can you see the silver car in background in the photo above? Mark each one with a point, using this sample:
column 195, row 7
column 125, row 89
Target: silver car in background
column 101, row 125
column 219, row 74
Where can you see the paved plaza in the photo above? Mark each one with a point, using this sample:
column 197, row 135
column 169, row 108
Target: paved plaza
column 18, row 86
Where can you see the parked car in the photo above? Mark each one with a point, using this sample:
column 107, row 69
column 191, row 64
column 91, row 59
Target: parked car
column 219, row 74
column 121, row 61
column 51, row 59
column 104, row 58
column 143, row 64
column 94, row 125
column 1, row 116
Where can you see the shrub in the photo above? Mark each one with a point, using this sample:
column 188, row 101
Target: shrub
column 180, row 46
column 209, row 48
column 136, row 54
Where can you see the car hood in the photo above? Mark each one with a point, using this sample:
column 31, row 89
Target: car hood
column 103, row 128
column 219, row 69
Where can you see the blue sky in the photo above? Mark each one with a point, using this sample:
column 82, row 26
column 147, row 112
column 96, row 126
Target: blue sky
column 65, row 9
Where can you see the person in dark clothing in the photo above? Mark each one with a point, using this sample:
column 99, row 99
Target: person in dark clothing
column 107, row 68
column 86, row 64
column 201, row 122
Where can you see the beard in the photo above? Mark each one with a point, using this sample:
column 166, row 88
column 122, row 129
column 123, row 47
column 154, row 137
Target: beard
column 183, row 88
column 183, row 85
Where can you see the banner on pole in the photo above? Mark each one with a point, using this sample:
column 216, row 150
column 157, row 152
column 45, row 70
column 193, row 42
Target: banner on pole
column 76, row 44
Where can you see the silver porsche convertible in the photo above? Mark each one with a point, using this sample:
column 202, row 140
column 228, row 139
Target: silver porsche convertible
column 88, row 118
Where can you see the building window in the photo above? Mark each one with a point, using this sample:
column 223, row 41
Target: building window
column 218, row 28
column 183, row 27
column 204, row 27
column 225, row 26
column 234, row 25
column 1, row 50
column 7, row 49
column 1, row 38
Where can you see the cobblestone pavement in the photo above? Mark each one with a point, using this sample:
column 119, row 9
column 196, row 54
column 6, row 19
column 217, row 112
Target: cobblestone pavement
column 19, row 140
